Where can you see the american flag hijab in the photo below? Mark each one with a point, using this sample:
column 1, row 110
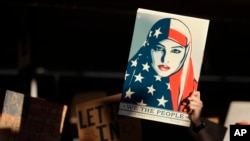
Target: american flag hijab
column 143, row 86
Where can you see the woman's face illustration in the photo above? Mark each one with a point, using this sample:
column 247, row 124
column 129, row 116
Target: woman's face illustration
column 167, row 57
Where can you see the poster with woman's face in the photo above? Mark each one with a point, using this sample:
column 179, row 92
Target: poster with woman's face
column 164, row 65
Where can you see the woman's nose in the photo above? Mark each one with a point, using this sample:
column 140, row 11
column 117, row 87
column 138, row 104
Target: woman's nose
column 165, row 58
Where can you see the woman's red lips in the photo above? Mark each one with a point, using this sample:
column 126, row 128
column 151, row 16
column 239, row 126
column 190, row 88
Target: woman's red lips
column 163, row 67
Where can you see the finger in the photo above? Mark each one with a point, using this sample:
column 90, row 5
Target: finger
column 196, row 106
column 185, row 101
column 190, row 110
column 187, row 110
column 196, row 94
column 195, row 102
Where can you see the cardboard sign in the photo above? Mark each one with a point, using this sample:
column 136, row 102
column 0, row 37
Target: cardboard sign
column 164, row 66
column 98, row 120
column 30, row 119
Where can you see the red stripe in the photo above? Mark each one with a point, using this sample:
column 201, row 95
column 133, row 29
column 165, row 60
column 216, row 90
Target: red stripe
column 178, row 37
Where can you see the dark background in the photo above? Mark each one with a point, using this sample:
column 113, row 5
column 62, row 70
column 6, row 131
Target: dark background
column 80, row 46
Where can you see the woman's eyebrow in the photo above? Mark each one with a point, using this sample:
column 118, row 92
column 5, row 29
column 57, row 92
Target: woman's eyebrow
column 178, row 47
column 159, row 44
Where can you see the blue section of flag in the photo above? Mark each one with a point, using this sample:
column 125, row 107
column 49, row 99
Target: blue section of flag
column 142, row 85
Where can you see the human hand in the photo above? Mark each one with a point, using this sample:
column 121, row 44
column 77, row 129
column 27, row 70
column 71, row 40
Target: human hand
column 193, row 106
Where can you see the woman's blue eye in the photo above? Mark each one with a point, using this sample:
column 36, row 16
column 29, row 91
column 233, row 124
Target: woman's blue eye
column 177, row 51
column 159, row 48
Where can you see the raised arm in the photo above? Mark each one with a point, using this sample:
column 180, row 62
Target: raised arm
column 193, row 106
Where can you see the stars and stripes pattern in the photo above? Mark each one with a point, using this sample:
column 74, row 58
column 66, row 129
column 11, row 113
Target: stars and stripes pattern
column 142, row 85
